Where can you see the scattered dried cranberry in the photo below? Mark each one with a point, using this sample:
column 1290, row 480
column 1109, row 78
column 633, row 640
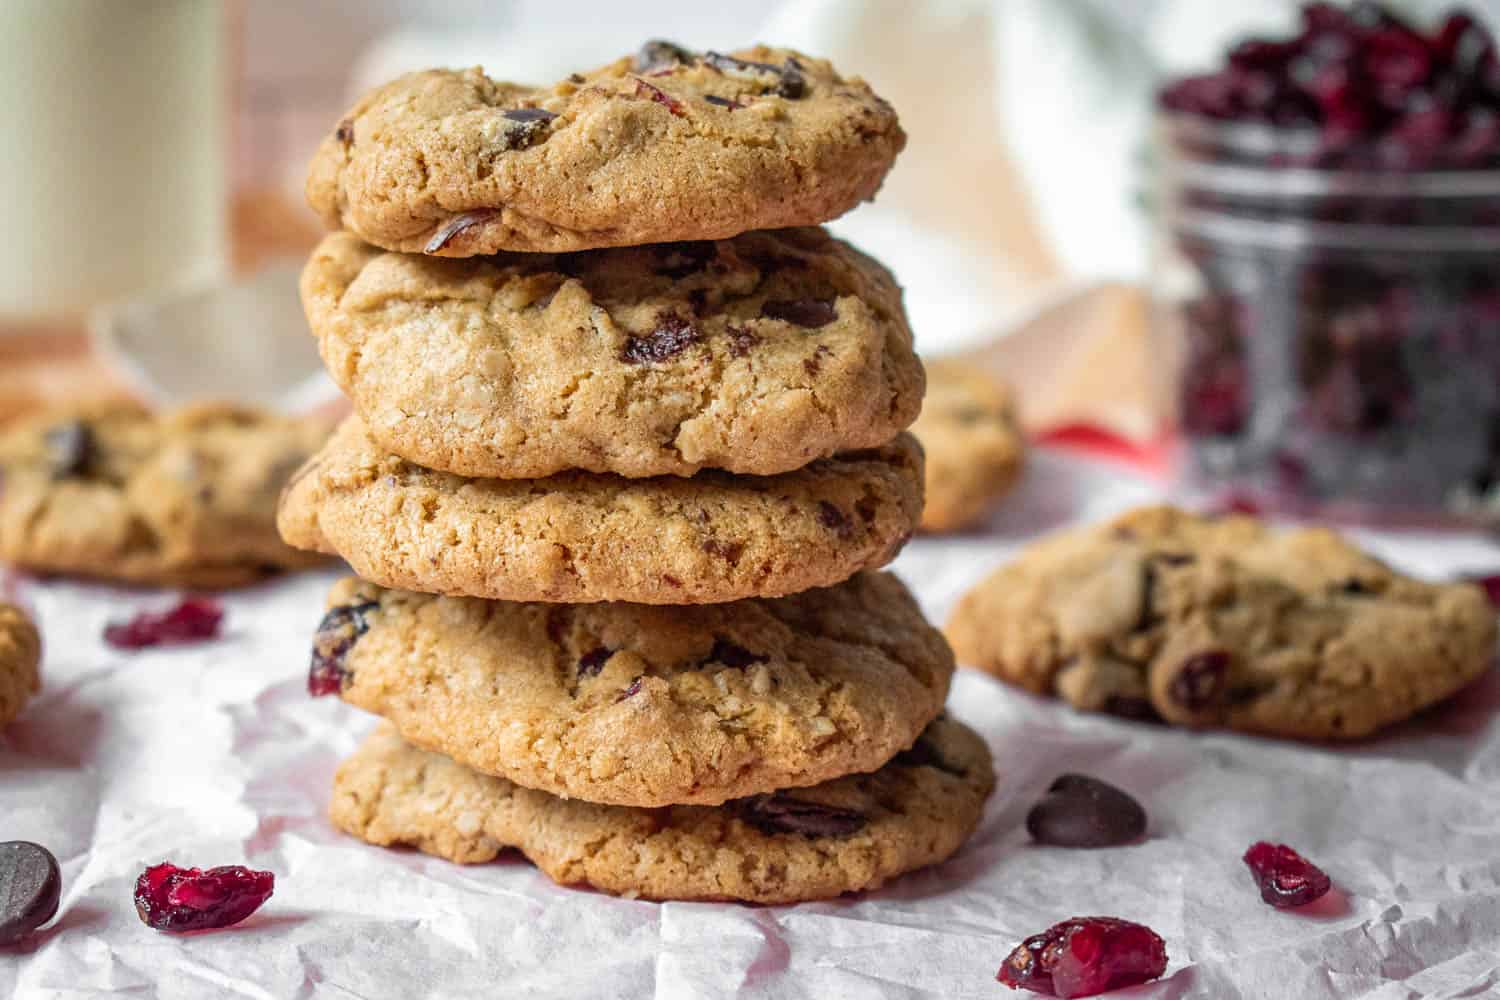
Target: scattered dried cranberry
column 1491, row 585
column 1285, row 877
column 337, row 633
column 780, row 813
column 175, row 899
column 193, row 619
column 1085, row 956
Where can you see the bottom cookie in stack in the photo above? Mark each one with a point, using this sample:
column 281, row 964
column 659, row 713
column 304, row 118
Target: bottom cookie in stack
column 852, row 833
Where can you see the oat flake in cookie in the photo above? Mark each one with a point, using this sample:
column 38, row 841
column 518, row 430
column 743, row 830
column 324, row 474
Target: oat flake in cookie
column 642, row 705
column 661, row 146
column 182, row 499
column 853, row 833
column 20, row 659
column 581, row 537
column 755, row 355
column 1225, row 622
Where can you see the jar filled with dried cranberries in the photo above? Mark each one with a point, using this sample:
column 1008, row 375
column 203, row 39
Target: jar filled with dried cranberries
column 1327, row 268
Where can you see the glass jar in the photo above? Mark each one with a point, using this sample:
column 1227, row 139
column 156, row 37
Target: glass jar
column 1334, row 332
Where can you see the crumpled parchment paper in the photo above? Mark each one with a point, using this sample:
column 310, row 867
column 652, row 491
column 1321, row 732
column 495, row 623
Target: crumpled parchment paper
column 213, row 754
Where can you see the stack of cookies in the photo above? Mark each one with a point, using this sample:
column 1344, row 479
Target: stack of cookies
column 629, row 449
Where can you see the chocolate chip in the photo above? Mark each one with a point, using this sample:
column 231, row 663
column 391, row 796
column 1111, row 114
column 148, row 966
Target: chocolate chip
column 672, row 336
column 660, row 54
column 834, row 519
column 345, row 132
column 339, row 630
column 780, row 813
column 722, row 102
column 741, row 341
column 923, row 754
column 733, row 655
column 808, row 313
column 1131, row 707
column 523, row 127
column 1079, row 811
column 576, row 78
column 1200, row 680
column 71, row 449
column 678, row 260
column 30, row 888
column 448, row 230
column 593, row 661
column 1356, row 588
column 785, row 80
column 730, row 552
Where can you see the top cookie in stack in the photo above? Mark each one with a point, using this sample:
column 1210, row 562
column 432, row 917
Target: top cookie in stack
column 629, row 387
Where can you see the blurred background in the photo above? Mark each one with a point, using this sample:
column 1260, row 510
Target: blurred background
column 156, row 151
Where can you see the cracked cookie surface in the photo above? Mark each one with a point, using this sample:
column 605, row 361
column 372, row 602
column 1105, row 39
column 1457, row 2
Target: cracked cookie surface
column 581, row 537
column 20, row 660
column 1225, row 622
column 186, row 498
column 663, row 146
column 853, row 833
column 637, row 705
column 755, row 355
column 973, row 445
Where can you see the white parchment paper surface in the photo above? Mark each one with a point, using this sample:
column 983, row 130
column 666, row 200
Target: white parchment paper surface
column 214, row 754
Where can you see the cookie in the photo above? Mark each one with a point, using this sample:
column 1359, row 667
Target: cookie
column 663, row 146
column 1224, row 622
column 188, row 499
column 853, row 833
column 755, row 355
column 973, row 444
column 580, row 536
column 636, row 705
column 20, row 658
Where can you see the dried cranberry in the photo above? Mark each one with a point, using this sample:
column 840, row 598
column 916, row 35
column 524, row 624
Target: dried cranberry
column 593, row 661
column 672, row 336
column 175, row 899
column 1085, row 956
column 1285, row 877
column 741, row 341
column 337, row 633
column 192, row 619
column 809, row 313
column 834, row 519
column 1491, row 585
column 672, row 104
column 1200, row 680
column 780, row 813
